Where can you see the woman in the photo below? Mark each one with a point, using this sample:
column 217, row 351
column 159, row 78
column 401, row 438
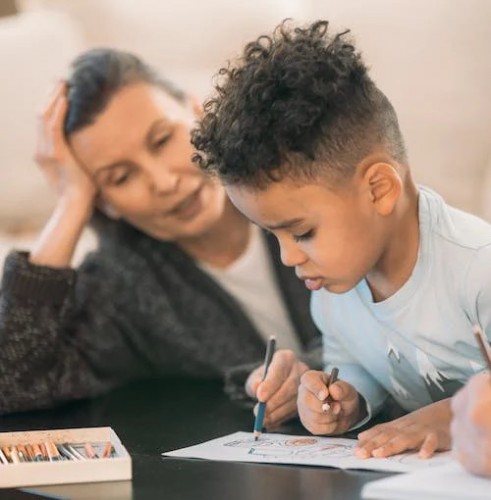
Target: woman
column 181, row 283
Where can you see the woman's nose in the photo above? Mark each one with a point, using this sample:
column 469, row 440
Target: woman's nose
column 163, row 180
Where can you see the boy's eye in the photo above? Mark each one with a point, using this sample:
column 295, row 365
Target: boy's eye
column 305, row 236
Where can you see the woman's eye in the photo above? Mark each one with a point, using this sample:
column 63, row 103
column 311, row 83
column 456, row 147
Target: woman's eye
column 304, row 236
column 159, row 143
column 119, row 178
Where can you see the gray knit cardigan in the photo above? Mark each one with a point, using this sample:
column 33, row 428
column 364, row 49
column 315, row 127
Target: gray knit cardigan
column 136, row 308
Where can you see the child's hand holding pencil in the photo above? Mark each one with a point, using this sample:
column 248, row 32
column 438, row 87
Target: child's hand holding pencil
column 327, row 408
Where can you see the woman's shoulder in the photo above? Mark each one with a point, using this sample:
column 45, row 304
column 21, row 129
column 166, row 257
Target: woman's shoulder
column 122, row 246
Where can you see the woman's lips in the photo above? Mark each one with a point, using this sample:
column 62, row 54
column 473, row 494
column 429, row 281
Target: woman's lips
column 189, row 207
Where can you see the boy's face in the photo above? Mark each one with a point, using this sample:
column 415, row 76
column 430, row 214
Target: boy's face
column 332, row 236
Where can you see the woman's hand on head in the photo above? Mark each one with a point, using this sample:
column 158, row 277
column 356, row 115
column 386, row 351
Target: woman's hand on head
column 279, row 389
column 75, row 190
column 53, row 154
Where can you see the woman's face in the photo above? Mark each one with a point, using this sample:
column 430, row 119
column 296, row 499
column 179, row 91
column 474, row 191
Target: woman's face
column 138, row 153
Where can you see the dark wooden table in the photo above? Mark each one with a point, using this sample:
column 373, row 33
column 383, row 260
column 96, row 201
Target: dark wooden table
column 155, row 416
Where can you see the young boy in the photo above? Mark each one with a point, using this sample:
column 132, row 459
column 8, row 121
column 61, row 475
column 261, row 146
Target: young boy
column 310, row 149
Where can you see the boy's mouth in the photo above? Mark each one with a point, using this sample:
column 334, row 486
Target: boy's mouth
column 313, row 284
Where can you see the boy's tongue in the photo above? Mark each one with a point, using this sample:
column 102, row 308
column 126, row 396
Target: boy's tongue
column 313, row 284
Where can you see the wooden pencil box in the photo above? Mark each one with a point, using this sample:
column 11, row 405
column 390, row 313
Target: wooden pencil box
column 114, row 468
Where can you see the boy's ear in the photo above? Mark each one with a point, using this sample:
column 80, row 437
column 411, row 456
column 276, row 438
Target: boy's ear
column 385, row 186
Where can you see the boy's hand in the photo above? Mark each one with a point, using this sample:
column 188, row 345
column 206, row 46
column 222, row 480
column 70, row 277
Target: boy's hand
column 279, row 388
column 344, row 406
column 426, row 430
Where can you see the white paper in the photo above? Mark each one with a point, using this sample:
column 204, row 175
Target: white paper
column 302, row 450
column 449, row 482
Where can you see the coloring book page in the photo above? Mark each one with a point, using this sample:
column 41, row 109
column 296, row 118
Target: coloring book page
column 303, row 450
column 446, row 482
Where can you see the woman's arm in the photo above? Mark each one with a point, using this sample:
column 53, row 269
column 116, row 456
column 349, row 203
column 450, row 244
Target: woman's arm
column 74, row 189
column 64, row 334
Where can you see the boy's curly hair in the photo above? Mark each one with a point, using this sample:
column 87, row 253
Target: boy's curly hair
column 298, row 103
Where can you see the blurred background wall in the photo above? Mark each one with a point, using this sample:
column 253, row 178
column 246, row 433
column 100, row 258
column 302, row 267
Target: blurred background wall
column 7, row 7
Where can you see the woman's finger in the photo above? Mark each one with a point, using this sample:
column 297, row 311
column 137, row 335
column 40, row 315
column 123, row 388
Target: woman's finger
column 58, row 89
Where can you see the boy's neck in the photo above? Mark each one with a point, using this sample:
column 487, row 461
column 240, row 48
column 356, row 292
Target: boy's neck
column 397, row 263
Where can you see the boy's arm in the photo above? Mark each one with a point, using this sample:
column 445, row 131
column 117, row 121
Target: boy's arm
column 373, row 395
column 477, row 291
column 428, row 429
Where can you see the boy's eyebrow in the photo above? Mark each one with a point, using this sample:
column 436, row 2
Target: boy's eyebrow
column 286, row 224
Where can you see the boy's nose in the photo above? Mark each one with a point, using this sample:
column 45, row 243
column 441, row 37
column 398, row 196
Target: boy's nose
column 291, row 255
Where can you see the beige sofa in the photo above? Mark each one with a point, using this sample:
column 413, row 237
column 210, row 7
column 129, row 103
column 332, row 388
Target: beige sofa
column 430, row 56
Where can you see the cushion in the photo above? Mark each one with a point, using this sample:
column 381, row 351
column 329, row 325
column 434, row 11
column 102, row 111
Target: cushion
column 486, row 193
column 431, row 58
column 35, row 49
column 187, row 40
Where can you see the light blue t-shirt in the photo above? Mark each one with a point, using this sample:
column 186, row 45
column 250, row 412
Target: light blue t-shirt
column 418, row 344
